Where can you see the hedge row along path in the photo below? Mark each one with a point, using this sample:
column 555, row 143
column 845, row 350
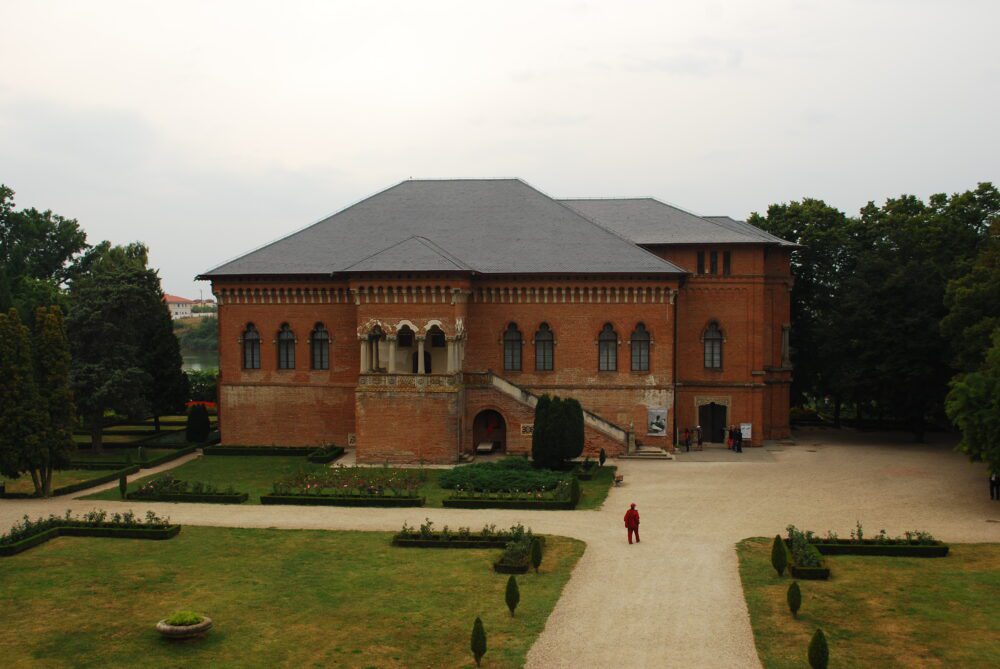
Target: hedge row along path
column 675, row 599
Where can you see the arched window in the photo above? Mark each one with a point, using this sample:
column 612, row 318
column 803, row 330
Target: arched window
column 713, row 346
column 607, row 349
column 251, row 347
column 512, row 348
column 640, row 349
column 319, row 342
column 544, row 348
column 286, row 347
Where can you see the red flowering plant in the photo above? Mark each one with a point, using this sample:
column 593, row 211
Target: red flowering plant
column 342, row 481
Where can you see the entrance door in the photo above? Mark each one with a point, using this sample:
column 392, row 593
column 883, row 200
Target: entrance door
column 490, row 427
column 712, row 418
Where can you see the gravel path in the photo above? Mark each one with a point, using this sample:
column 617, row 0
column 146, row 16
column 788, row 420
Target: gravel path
column 675, row 600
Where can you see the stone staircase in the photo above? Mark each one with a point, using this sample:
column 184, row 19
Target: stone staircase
column 648, row 453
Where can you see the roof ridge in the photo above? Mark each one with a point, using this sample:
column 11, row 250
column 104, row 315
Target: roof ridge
column 700, row 217
column 420, row 240
column 443, row 252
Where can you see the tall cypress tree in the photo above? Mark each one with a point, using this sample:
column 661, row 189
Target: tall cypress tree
column 161, row 358
column 21, row 420
column 573, row 437
column 52, row 367
column 540, row 431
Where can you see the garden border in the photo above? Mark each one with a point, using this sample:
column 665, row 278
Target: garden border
column 936, row 550
column 292, row 451
column 146, row 464
column 137, row 532
column 326, row 456
column 76, row 487
column 332, row 500
column 197, row 498
column 521, row 504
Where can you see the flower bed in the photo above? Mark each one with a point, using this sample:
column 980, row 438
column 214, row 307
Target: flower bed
column 914, row 543
column 169, row 489
column 326, row 454
column 586, row 470
column 463, row 537
column 349, row 486
column 76, row 487
column 507, row 475
column 804, row 560
column 258, row 450
column 28, row 533
column 564, row 497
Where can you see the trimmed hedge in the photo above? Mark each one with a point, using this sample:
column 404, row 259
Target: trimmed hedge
column 522, row 504
column 108, row 532
column 586, row 473
column 76, row 487
column 258, row 450
column 474, row 541
column 210, row 498
column 810, row 573
column 938, row 549
column 146, row 464
column 333, row 500
column 325, row 455
column 506, row 568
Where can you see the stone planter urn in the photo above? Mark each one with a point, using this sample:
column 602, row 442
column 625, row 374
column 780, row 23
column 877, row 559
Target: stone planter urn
column 184, row 631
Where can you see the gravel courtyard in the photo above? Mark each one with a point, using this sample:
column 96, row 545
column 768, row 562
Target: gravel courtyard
column 675, row 600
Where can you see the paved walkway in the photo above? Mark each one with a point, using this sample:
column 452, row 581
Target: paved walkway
column 675, row 600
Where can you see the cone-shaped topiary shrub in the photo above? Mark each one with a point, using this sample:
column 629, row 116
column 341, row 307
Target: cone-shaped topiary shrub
column 122, row 485
column 198, row 424
column 794, row 598
column 779, row 558
column 602, row 457
column 513, row 594
column 478, row 640
column 536, row 553
column 819, row 654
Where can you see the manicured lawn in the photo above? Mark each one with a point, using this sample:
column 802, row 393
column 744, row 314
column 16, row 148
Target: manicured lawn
column 120, row 454
column 59, row 479
column 255, row 474
column 286, row 598
column 880, row 611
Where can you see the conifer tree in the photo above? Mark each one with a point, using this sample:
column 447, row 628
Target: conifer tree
column 21, row 420
column 540, row 431
column 536, row 553
column 478, row 640
column 779, row 558
column 819, row 653
column 52, row 370
column 571, row 445
column 794, row 598
column 198, row 424
column 513, row 594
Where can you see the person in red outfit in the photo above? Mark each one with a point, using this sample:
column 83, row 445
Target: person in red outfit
column 632, row 523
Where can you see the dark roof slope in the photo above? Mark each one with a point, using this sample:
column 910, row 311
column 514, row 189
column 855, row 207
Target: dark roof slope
column 482, row 225
column 648, row 221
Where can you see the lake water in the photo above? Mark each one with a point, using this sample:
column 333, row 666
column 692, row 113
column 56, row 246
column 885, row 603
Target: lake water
column 200, row 361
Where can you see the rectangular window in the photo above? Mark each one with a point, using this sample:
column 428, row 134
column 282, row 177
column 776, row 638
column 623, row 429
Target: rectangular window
column 727, row 263
column 714, row 260
column 286, row 355
column 701, row 262
column 512, row 356
column 608, row 360
column 640, row 356
column 251, row 355
column 543, row 356
column 321, row 354
column 713, row 353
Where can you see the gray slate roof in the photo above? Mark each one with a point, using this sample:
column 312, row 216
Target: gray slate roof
column 648, row 221
column 483, row 225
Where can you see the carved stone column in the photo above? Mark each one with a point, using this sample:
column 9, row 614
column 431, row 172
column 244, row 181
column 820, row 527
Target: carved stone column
column 450, row 342
column 392, row 355
column 364, row 356
column 420, row 356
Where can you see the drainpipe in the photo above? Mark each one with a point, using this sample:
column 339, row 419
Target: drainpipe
column 677, row 299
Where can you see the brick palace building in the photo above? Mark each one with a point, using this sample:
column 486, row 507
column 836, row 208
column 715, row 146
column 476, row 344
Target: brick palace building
column 428, row 318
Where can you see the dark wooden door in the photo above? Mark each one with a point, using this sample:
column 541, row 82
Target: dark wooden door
column 712, row 418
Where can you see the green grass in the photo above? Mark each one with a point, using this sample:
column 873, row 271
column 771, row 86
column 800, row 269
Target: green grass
column 59, row 479
column 120, row 454
column 288, row 598
column 880, row 611
column 255, row 474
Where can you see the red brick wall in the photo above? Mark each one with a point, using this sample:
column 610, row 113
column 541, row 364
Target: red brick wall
column 408, row 427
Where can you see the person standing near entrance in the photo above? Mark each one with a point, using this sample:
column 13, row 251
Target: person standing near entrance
column 738, row 439
column 994, row 486
column 687, row 439
column 632, row 523
column 697, row 436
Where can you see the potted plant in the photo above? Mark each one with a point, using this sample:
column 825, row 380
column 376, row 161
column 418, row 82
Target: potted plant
column 184, row 625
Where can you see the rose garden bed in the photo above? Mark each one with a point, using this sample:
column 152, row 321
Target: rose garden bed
column 28, row 533
column 307, row 499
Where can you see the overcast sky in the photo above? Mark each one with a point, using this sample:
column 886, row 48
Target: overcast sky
column 206, row 129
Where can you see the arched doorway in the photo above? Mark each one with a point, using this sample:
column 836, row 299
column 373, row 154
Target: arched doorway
column 490, row 427
column 712, row 418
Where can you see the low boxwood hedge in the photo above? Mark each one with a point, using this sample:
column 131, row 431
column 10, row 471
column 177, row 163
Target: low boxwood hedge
column 325, row 455
column 258, row 450
column 502, row 567
column 522, row 504
column 29, row 533
column 938, row 549
column 208, row 498
column 108, row 532
column 333, row 500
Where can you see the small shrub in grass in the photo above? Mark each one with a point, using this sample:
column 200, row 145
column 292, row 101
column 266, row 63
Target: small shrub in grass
column 184, row 619
column 513, row 594
column 536, row 553
column 779, row 558
column 602, row 457
column 794, row 598
column 819, row 654
column 478, row 640
column 198, row 424
column 123, row 485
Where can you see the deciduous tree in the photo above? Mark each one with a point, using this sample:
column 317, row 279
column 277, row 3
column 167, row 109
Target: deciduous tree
column 21, row 419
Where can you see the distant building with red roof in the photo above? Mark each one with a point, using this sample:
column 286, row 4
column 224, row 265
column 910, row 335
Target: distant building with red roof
column 180, row 307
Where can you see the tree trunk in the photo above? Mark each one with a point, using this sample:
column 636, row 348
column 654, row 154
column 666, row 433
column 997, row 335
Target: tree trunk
column 859, row 414
column 836, row 411
column 97, row 435
column 47, row 475
column 37, row 482
column 156, row 422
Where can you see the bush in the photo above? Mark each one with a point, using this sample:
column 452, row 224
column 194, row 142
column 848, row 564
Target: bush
column 804, row 554
column 779, row 558
column 571, row 444
column 513, row 594
column 28, row 528
column 819, row 654
column 794, row 598
column 536, row 553
column 507, row 475
column 198, row 424
column 540, row 437
column 602, row 457
column 185, row 618
column 478, row 640
column 123, row 485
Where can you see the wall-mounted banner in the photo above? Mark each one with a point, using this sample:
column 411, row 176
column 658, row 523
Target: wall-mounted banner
column 656, row 422
column 745, row 428
column 527, row 428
